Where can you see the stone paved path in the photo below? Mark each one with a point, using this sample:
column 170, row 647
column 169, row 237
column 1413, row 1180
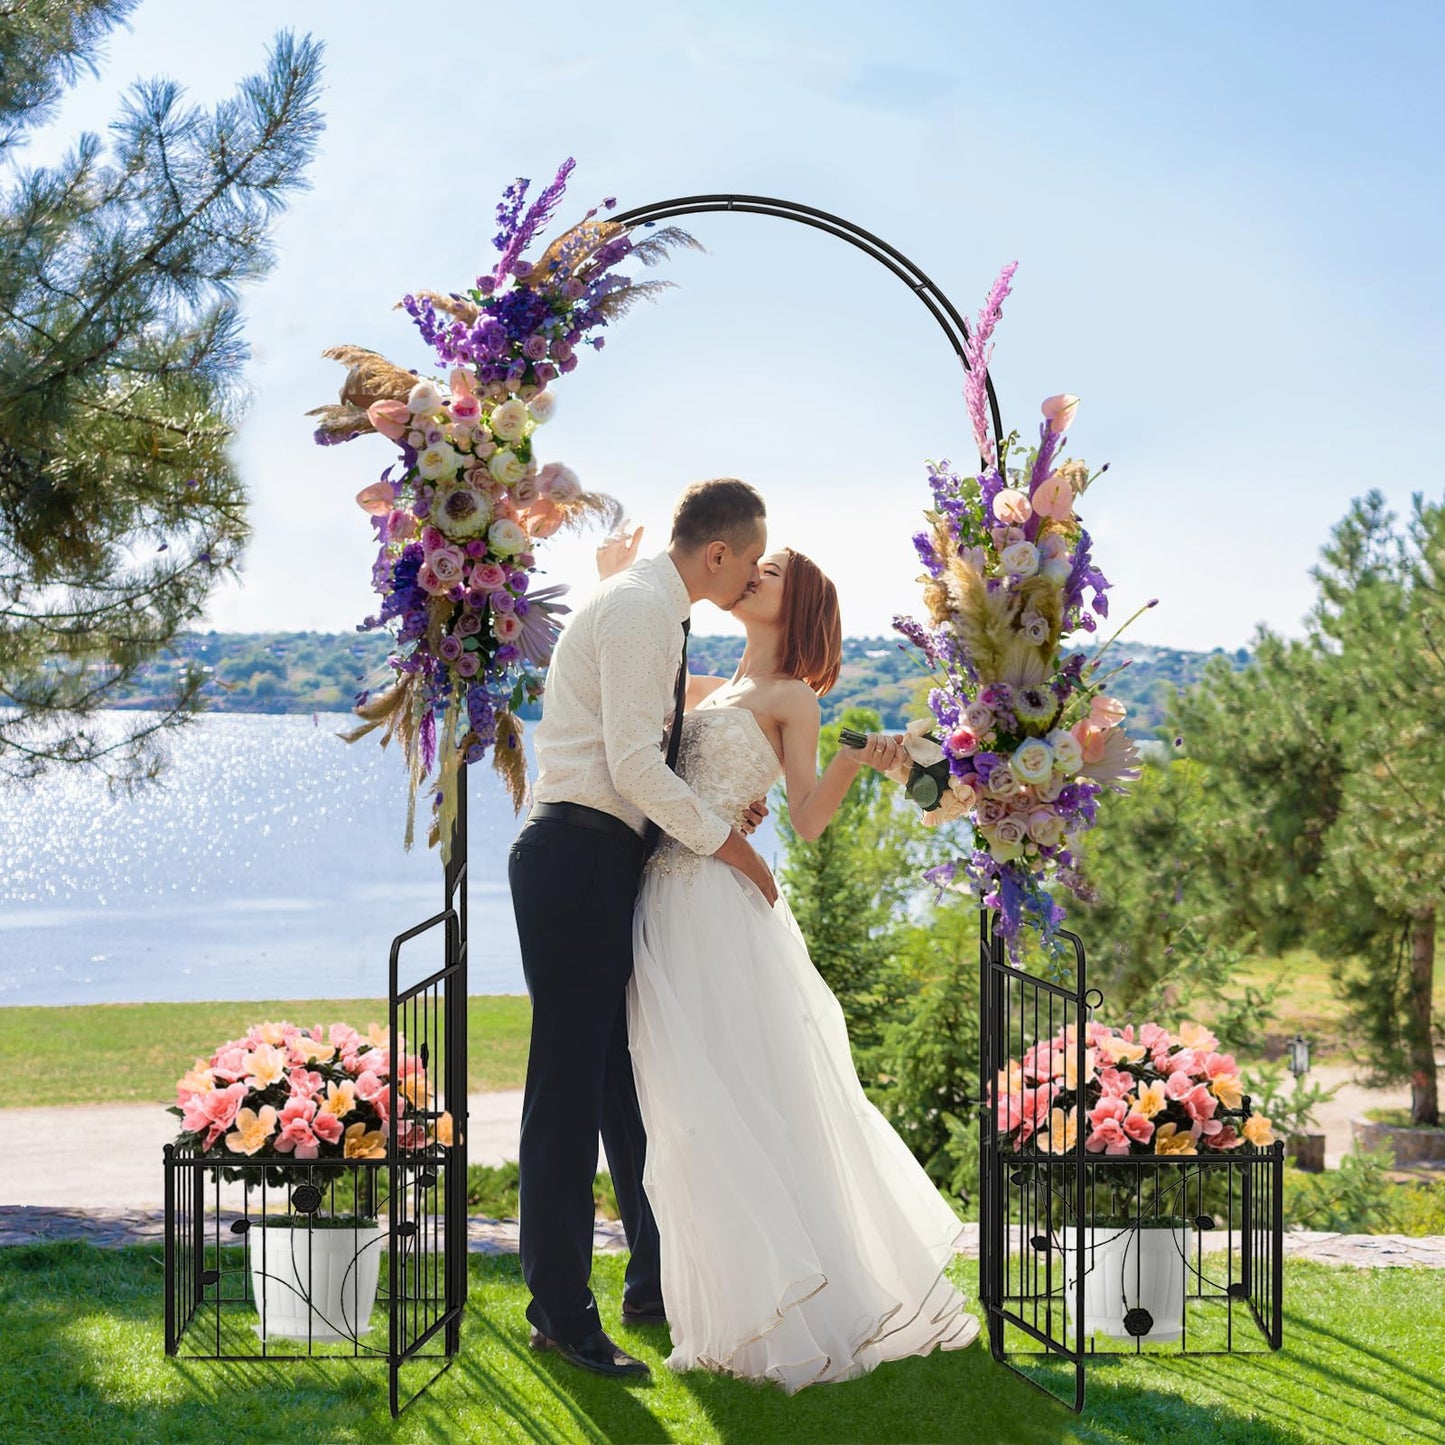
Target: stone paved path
column 113, row 1228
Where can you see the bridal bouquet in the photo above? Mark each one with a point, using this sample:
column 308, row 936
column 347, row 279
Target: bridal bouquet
column 1160, row 1093
column 1022, row 740
column 459, row 515
column 289, row 1093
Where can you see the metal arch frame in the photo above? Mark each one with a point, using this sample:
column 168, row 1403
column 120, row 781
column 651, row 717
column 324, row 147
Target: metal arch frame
column 939, row 306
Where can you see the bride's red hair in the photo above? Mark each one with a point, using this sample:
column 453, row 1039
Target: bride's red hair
column 812, row 625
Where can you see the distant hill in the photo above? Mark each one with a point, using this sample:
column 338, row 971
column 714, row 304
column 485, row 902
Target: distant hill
column 285, row 672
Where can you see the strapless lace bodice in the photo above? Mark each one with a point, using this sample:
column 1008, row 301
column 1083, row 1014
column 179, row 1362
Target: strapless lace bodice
column 728, row 763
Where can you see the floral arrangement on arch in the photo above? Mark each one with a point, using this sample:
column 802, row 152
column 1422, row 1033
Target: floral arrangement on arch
column 289, row 1093
column 1161, row 1093
column 459, row 516
column 1023, row 739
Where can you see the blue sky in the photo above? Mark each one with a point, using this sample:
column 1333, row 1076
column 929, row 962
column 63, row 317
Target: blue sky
column 1227, row 220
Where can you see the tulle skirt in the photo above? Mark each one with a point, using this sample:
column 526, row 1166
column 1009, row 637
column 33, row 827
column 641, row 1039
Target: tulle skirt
column 801, row 1241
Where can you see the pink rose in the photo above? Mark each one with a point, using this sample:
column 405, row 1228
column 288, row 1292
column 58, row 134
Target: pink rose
column 1059, row 411
column 524, row 493
column 400, row 527
column 428, row 580
column 506, row 626
column 1012, row 508
column 979, row 718
column 446, row 564
column 489, row 577
column 963, row 742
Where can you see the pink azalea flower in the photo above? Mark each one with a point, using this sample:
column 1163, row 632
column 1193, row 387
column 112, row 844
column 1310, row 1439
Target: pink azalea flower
column 305, row 1083
column 1154, row 1038
column 231, row 1061
column 328, row 1128
column 1108, row 1108
column 295, row 1133
column 1115, row 1083
column 1137, row 1127
column 344, row 1037
column 1226, row 1138
column 1217, row 1064
column 213, row 1113
column 1178, row 1086
column 1182, row 1061
column 1110, row 1137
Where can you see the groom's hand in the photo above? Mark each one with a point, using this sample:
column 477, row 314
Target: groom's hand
column 738, row 853
column 755, row 815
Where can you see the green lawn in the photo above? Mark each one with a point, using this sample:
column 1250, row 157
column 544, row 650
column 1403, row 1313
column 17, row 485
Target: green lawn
column 81, row 1360
column 133, row 1053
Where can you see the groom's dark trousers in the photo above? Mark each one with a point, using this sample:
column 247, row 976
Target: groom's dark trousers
column 574, row 873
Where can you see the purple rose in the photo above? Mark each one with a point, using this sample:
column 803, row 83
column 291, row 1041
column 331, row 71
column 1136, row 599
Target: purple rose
column 535, row 348
column 503, row 602
column 518, row 581
column 450, row 649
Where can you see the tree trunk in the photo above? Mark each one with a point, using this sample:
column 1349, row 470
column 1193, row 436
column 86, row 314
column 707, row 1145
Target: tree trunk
column 1424, row 1088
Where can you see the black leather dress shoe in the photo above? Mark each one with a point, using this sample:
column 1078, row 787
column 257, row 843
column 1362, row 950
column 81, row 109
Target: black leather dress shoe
column 635, row 1315
column 596, row 1353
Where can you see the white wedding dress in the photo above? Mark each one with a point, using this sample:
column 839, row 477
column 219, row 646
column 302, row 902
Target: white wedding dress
column 801, row 1241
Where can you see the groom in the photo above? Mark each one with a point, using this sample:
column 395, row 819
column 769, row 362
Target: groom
column 603, row 791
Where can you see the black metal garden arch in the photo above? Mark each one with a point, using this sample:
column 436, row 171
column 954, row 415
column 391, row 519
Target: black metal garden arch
column 939, row 306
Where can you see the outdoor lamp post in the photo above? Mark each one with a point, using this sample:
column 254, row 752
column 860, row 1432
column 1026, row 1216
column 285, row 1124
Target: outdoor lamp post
column 1299, row 1056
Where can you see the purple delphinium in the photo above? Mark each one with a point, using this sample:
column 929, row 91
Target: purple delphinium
column 515, row 236
column 1083, row 574
column 923, row 545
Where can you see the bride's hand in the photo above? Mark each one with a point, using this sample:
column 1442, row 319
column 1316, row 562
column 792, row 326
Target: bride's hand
column 884, row 752
column 618, row 552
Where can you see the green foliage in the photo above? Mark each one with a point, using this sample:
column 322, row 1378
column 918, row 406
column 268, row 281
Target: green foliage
column 847, row 887
column 1356, row 1198
column 1289, row 1107
column 928, row 1087
column 120, row 368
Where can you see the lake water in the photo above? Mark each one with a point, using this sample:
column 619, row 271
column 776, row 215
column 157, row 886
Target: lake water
column 267, row 863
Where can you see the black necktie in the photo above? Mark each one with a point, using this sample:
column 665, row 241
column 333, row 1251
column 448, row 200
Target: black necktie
column 652, row 832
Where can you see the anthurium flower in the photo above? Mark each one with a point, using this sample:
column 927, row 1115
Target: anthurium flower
column 253, row 1128
column 1059, row 411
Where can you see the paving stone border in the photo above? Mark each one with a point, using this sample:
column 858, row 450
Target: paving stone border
column 113, row 1229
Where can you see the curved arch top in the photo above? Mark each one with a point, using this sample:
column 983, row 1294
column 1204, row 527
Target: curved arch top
column 939, row 306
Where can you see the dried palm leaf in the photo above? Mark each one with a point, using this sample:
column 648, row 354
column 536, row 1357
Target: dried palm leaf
column 983, row 620
column 341, row 421
column 657, row 245
column 371, row 376
column 510, row 758
column 588, row 509
column 1024, row 663
column 620, row 302
column 567, row 254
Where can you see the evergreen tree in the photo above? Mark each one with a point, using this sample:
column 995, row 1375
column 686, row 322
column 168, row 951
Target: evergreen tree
column 848, row 889
column 120, row 367
column 1324, row 809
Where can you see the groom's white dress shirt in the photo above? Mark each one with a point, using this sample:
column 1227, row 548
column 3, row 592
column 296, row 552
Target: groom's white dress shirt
column 608, row 698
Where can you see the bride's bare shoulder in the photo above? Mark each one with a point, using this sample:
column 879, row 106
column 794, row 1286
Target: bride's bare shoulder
column 791, row 699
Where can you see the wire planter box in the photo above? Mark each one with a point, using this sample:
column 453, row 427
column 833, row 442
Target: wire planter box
column 1086, row 1256
column 279, row 1261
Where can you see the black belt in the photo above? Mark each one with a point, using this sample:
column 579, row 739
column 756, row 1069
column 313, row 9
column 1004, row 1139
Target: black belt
column 581, row 816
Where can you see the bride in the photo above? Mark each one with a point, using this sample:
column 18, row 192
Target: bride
column 801, row 1241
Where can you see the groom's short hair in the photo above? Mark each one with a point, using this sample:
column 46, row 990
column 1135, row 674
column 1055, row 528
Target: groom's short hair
column 721, row 510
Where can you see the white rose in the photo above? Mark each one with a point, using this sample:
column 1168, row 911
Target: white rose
column 919, row 746
column 966, row 794
column 424, row 399
column 1068, row 755
column 1046, row 828
column 542, row 406
column 1047, row 792
column 509, row 421
column 507, row 467
column 1033, row 762
column 1021, row 559
column 1001, row 784
column 1008, row 839
column 438, row 461
column 566, row 485
column 506, row 538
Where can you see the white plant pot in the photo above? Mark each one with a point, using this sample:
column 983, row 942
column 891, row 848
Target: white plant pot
column 316, row 1283
column 1128, row 1268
